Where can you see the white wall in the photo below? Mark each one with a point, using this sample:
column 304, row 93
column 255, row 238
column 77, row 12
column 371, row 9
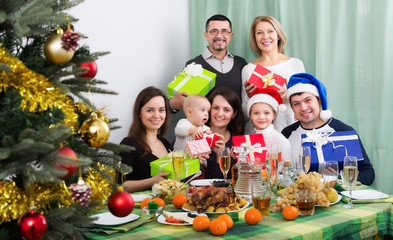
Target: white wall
column 149, row 44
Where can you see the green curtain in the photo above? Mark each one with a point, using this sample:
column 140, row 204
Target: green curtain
column 345, row 44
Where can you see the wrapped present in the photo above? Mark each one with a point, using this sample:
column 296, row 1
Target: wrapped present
column 332, row 146
column 255, row 142
column 210, row 138
column 197, row 148
column 193, row 80
column 264, row 78
column 191, row 166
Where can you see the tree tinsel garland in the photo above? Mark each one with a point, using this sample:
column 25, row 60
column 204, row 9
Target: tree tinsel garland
column 14, row 202
column 38, row 93
column 101, row 186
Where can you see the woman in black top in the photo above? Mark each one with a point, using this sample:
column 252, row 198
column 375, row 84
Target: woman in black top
column 149, row 126
column 226, row 119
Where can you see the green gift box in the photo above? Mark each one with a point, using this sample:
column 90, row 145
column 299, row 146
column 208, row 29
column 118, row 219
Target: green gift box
column 191, row 166
column 193, row 80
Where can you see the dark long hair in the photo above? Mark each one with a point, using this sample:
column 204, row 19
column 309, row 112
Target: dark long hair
column 137, row 129
column 236, row 125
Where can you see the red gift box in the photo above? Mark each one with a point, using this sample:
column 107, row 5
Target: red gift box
column 256, row 144
column 264, row 78
column 197, row 148
column 210, row 138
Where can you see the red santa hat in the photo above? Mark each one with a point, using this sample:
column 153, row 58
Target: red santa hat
column 268, row 96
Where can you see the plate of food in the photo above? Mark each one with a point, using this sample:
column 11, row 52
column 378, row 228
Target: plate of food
column 178, row 218
column 202, row 182
column 215, row 200
column 332, row 203
column 108, row 219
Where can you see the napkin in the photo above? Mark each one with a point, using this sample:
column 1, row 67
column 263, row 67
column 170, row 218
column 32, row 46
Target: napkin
column 384, row 200
column 121, row 228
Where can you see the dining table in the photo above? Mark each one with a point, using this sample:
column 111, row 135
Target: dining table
column 370, row 218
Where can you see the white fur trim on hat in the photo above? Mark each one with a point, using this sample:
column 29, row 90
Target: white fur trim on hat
column 262, row 98
column 301, row 87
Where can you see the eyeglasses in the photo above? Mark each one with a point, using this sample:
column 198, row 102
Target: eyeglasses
column 223, row 32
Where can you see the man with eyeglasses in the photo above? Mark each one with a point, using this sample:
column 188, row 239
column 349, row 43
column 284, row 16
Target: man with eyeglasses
column 216, row 58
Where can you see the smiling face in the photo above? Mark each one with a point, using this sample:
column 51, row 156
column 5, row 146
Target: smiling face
column 266, row 37
column 153, row 113
column 307, row 108
column 221, row 113
column 262, row 115
column 198, row 112
column 218, row 42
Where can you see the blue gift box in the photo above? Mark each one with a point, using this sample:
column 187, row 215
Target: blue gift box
column 332, row 146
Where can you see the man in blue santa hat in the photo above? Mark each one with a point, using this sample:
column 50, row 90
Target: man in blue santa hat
column 307, row 95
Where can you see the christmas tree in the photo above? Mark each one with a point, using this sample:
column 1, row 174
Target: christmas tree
column 56, row 166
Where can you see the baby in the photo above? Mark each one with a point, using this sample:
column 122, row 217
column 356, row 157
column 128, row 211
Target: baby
column 196, row 109
column 262, row 109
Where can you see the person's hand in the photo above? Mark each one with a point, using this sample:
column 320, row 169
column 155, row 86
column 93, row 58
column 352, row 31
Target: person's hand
column 249, row 87
column 283, row 94
column 160, row 177
column 177, row 101
column 197, row 133
column 203, row 160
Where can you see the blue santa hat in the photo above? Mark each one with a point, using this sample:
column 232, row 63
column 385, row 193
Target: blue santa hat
column 304, row 82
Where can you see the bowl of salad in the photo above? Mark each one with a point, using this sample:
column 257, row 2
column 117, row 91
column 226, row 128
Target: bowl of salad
column 168, row 188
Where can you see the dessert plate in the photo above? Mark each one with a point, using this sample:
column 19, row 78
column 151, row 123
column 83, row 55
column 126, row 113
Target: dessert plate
column 108, row 219
column 141, row 197
column 365, row 194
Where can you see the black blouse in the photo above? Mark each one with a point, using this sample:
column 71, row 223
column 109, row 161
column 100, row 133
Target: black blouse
column 140, row 165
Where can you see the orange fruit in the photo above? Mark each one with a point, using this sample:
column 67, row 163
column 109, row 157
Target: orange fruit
column 218, row 227
column 290, row 212
column 178, row 200
column 160, row 202
column 145, row 202
column 201, row 223
column 253, row 216
column 227, row 219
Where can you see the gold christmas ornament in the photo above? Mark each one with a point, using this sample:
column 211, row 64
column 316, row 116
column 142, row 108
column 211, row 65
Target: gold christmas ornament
column 95, row 131
column 54, row 51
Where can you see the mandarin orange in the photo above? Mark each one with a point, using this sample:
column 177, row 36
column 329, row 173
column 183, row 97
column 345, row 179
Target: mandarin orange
column 218, row 227
column 253, row 216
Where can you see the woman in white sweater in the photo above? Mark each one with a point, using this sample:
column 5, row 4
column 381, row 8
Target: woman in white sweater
column 268, row 40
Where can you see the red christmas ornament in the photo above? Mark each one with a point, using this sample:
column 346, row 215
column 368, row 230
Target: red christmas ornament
column 121, row 203
column 70, row 165
column 92, row 66
column 210, row 138
column 32, row 225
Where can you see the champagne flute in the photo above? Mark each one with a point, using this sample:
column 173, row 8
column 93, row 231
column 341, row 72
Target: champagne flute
column 178, row 163
column 224, row 160
column 330, row 171
column 305, row 158
column 272, row 158
column 350, row 177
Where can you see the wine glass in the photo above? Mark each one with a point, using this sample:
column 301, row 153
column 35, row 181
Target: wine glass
column 305, row 158
column 350, row 177
column 272, row 159
column 224, row 160
column 330, row 171
column 178, row 163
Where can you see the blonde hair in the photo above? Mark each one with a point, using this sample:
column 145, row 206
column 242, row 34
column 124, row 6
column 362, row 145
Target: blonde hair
column 283, row 39
column 192, row 99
